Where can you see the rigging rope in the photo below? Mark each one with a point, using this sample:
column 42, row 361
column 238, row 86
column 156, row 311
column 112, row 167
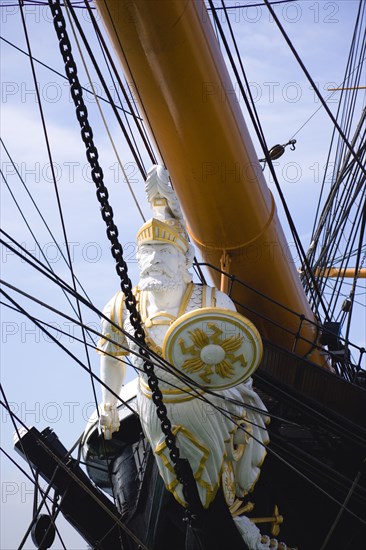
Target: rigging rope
column 307, row 74
column 341, row 203
column 274, row 453
column 104, row 119
column 342, row 508
column 59, row 205
column 295, row 469
column 64, row 77
column 162, row 363
column 55, row 184
column 44, row 494
column 130, row 102
column 194, row 387
column 30, row 229
column 43, row 269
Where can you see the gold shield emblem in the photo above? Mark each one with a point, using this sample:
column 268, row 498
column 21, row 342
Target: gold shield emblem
column 216, row 348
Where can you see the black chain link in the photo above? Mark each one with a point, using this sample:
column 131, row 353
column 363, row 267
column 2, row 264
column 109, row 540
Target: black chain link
column 182, row 467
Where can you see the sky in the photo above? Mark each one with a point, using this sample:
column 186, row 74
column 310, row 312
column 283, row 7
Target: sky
column 44, row 386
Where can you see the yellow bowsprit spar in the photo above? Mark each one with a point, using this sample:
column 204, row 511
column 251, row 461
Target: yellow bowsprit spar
column 189, row 104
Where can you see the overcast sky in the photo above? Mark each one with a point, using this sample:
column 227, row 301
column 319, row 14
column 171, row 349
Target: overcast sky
column 44, row 385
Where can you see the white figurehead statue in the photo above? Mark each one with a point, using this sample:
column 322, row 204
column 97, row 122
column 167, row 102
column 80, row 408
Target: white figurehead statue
column 224, row 450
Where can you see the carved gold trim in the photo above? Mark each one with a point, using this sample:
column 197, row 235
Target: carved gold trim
column 107, row 338
column 203, row 296
column 111, row 316
column 211, row 489
column 142, row 308
column 213, row 297
column 276, row 520
column 237, row 508
column 185, row 300
column 228, row 482
column 158, row 231
column 238, row 450
column 170, row 392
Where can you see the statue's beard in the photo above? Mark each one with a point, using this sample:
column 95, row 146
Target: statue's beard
column 160, row 280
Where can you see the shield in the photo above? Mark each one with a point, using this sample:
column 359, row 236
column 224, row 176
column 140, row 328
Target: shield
column 216, row 348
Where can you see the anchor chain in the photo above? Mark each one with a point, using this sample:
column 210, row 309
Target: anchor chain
column 181, row 466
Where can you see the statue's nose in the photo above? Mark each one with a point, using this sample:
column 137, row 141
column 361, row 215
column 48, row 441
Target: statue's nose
column 155, row 259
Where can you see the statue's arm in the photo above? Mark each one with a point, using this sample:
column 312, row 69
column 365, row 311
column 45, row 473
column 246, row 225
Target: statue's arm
column 112, row 349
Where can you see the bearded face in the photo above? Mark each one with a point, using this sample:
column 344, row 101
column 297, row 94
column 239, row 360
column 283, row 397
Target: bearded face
column 163, row 267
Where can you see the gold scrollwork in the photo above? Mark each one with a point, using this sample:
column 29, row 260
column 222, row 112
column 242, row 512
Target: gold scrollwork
column 238, row 445
column 228, row 482
column 202, row 344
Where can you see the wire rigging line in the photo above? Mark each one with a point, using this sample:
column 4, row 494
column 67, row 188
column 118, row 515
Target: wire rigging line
column 105, row 87
column 37, row 264
column 133, row 87
column 44, row 494
column 115, row 87
column 17, row 465
column 61, row 283
column 279, row 457
column 346, row 500
column 358, row 260
column 308, row 76
column 338, row 178
column 21, row 310
column 274, row 453
column 86, row 349
column 181, row 466
column 80, row 321
column 75, row 4
column 42, row 3
column 35, row 238
column 130, row 102
column 357, row 228
column 86, row 90
column 55, row 187
column 163, row 364
column 244, row 6
column 195, row 387
column 40, row 214
column 348, row 75
column 337, row 226
column 104, row 119
column 319, row 109
column 224, row 412
column 49, row 153
column 140, row 127
column 339, row 220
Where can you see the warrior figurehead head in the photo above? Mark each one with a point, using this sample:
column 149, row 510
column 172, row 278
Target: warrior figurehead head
column 163, row 233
